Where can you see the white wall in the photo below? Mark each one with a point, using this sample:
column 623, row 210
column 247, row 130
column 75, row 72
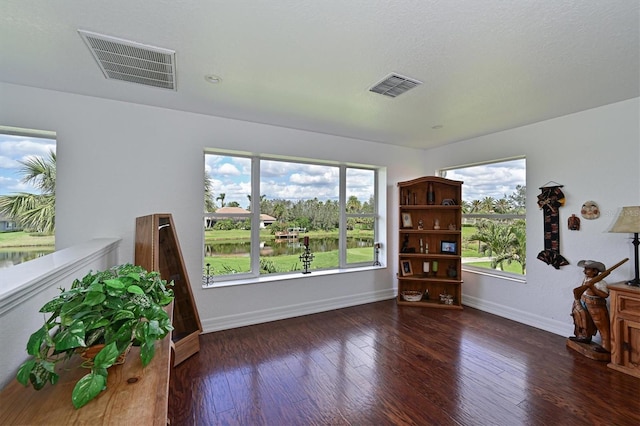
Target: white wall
column 595, row 155
column 35, row 283
column 117, row 161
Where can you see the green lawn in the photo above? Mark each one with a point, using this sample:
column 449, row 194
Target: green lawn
column 24, row 239
column 225, row 264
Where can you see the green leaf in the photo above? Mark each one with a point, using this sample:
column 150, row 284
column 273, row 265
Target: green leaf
column 124, row 314
column 107, row 356
column 135, row 289
column 114, row 303
column 71, row 337
column 96, row 287
column 25, row 371
column 101, row 322
column 147, row 351
column 125, row 331
column 52, row 305
column 93, row 336
column 39, row 376
column 53, row 379
column 94, row 298
column 135, row 275
column 87, row 388
column 69, row 308
column 154, row 328
column 35, row 341
column 114, row 283
column 142, row 331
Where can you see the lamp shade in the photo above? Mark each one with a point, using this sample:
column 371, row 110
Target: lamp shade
column 628, row 221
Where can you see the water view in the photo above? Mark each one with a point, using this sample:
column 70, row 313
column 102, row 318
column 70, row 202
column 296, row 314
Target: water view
column 282, row 256
column 282, row 247
column 11, row 258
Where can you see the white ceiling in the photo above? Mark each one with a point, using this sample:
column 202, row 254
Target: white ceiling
column 486, row 65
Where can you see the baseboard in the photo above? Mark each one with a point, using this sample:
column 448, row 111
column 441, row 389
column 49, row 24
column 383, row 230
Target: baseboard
column 291, row 311
column 543, row 323
column 282, row 312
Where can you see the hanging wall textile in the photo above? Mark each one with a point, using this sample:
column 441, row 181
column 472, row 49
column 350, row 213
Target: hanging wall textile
column 550, row 200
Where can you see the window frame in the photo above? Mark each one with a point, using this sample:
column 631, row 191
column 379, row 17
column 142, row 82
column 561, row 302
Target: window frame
column 37, row 134
column 343, row 266
column 521, row 278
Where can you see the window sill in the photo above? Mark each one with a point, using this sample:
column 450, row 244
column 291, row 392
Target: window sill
column 507, row 276
column 291, row 276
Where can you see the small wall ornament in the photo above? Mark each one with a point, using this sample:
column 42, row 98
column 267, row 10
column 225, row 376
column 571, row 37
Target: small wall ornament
column 573, row 223
column 590, row 210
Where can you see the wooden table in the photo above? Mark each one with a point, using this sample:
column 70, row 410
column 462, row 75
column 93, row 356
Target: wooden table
column 134, row 395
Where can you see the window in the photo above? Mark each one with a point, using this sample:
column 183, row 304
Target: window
column 493, row 219
column 27, row 194
column 260, row 212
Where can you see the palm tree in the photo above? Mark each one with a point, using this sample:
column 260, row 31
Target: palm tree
column 519, row 230
column 221, row 198
column 498, row 240
column 34, row 211
column 502, row 205
column 209, row 205
column 488, row 204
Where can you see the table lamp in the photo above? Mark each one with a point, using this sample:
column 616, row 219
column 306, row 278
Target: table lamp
column 629, row 222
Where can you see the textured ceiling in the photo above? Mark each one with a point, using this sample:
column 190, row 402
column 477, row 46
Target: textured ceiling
column 485, row 65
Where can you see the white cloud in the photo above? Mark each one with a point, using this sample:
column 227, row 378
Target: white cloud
column 227, row 170
column 495, row 180
column 14, row 149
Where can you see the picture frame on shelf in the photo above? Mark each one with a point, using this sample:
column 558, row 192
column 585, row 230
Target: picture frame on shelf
column 406, row 220
column 448, row 247
column 405, row 268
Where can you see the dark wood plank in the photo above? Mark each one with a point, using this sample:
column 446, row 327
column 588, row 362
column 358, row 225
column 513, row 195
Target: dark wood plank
column 386, row 364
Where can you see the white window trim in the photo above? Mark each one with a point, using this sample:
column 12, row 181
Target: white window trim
column 254, row 276
column 509, row 276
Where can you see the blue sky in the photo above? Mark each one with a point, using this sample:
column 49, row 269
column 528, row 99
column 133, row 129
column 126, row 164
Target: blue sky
column 293, row 181
column 495, row 180
column 283, row 180
column 19, row 148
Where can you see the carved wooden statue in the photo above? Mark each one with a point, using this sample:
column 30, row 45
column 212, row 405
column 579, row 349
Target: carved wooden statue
column 589, row 311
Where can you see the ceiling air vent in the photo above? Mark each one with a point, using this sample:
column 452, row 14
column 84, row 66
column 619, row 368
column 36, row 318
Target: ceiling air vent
column 133, row 62
column 394, row 85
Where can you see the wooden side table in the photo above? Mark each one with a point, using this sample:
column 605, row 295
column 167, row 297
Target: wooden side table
column 625, row 328
column 134, row 395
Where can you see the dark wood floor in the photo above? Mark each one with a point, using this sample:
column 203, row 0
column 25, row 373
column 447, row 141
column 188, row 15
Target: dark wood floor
column 381, row 364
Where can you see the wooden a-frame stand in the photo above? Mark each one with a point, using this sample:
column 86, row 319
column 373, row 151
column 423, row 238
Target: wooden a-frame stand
column 157, row 249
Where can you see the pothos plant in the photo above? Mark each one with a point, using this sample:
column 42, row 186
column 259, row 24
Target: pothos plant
column 117, row 308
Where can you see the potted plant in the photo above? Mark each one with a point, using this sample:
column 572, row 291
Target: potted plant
column 114, row 308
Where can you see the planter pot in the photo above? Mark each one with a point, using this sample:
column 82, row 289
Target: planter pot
column 88, row 354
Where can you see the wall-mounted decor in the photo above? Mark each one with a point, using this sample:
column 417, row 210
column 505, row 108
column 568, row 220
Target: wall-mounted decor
column 573, row 223
column 550, row 200
column 590, row 210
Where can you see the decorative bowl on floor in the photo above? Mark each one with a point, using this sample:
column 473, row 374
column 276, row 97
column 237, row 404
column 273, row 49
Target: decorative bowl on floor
column 411, row 295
